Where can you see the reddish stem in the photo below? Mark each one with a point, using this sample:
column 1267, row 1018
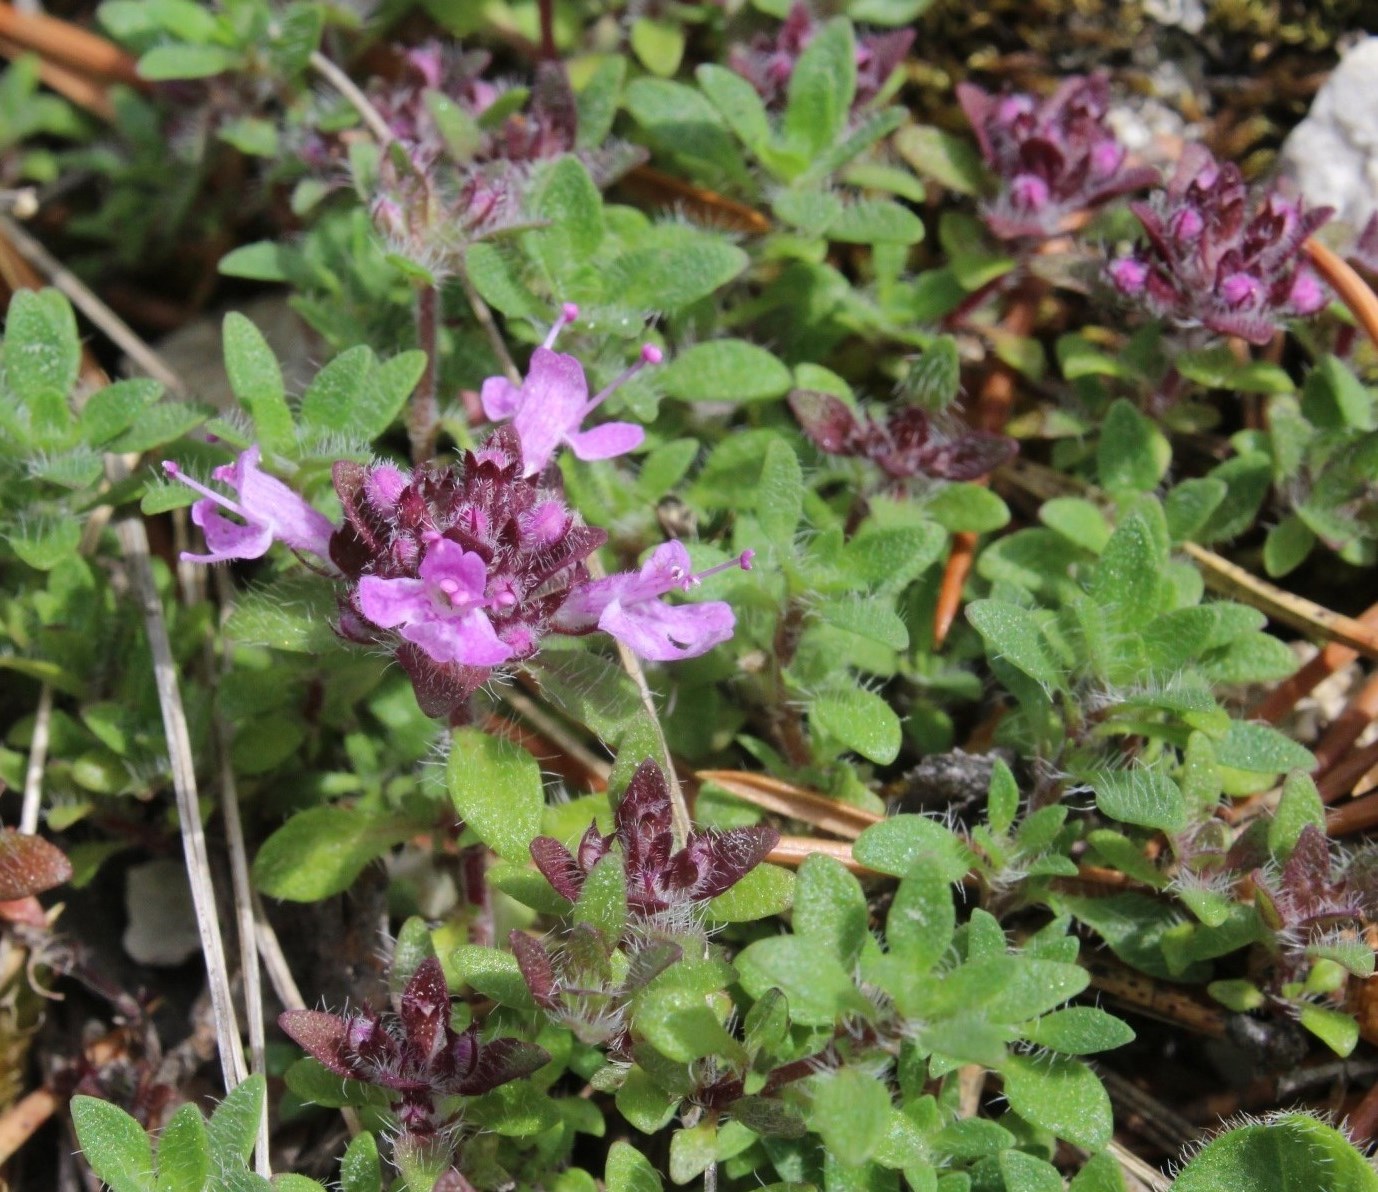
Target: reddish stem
column 547, row 11
column 423, row 416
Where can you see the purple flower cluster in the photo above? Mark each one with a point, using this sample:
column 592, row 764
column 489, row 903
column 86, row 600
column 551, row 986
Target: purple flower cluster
column 1221, row 256
column 414, row 1052
column 658, row 878
column 904, row 445
column 767, row 63
column 463, row 568
column 434, row 71
column 470, row 179
column 1054, row 159
column 1309, row 897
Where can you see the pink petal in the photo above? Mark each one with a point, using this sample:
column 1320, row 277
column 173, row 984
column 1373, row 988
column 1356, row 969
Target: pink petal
column 468, row 639
column 665, row 633
column 266, row 499
column 606, row 441
column 227, row 539
column 500, row 398
column 391, row 602
column 446, row 560
column 553, row 400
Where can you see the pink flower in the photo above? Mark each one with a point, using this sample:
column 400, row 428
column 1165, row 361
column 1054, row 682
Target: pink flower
column 268, row 510
column 1055, row 158
column 1222, row 254
column 551, row 404
column 442, row 611
column 629, row 608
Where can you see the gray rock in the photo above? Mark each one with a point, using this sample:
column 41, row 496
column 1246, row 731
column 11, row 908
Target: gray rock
column 1332, row 155
column 162, row 923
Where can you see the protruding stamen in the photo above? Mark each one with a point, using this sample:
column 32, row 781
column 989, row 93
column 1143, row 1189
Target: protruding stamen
column 743, row 560
column 650, row 354
column 568, row 313
column 196, row 486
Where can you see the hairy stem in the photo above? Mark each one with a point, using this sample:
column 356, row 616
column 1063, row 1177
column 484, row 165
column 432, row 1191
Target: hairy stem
column 681, row 823
column 547, row 11
column 484, row 317
column 342, row 83
column 423, row 415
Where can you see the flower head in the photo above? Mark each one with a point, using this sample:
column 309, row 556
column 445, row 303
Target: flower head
column 432, row 69
column 1222, row 255
column 1054, row 159
column 904, row 445
column 466, row 565
column 628, row 606
column 414, row 1052
column 268, row 511
column 768, row 63
column 658, row 878
column 549, row 407
column 442, row 609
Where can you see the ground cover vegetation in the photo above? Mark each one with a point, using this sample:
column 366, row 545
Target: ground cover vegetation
column 770, row 597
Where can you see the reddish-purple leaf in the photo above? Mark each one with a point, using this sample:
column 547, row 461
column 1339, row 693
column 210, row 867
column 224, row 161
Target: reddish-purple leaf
column 536, row 969
column 732, row 855
column 826, row 420
column 969, row 456
column 322, row 1036
column 558, row 866
column 499, row 1061
column 29, row 865
column 643, row 818
column 425, row 1010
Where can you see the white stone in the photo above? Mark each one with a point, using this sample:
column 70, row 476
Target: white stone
column 1332, row 155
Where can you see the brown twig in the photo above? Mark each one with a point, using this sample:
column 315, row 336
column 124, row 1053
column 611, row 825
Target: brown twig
column 1230, row 579
column 593, row 771
column 1354, row 292
column 1155, row 999
column 91, row 95
column 484, row 317
column 69, row 45
column 993, row 412
column 133, row 538
column 1347, row 727
column 121, row 334
column 1285, row 696
column 342, row 83
column 19, row 1123
column 243, row 888
column 949, row 603
column 793, row 851
column 651, row 185
column 1362, row 813
column 782, row 798
column 1363, row 1118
